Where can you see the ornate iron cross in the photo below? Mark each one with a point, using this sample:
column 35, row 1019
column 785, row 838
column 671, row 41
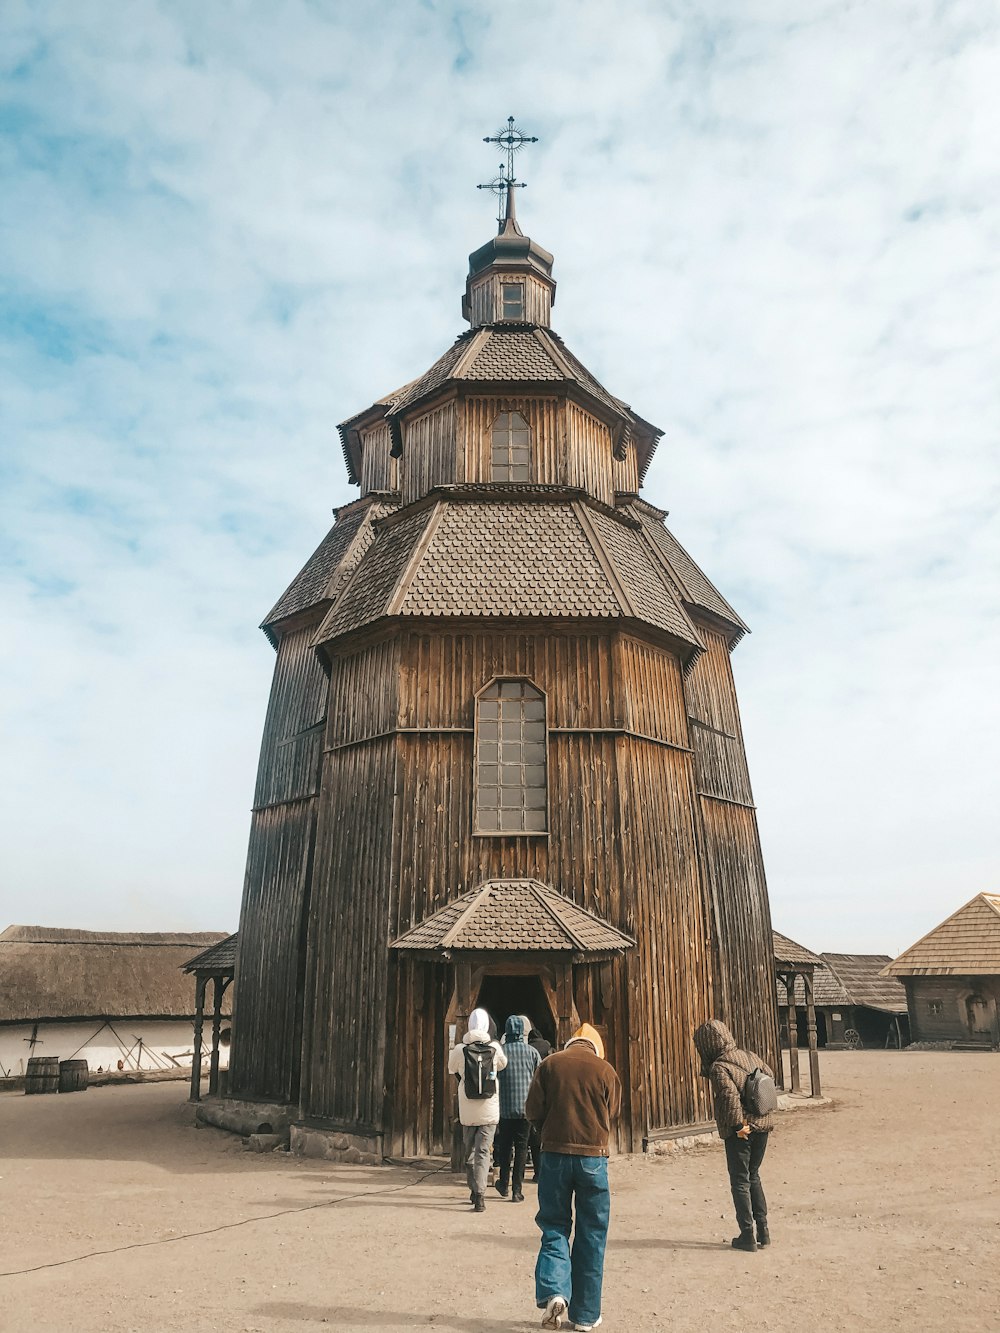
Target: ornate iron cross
column 513, row 139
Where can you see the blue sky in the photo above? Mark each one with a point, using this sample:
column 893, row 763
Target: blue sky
column 226, row 228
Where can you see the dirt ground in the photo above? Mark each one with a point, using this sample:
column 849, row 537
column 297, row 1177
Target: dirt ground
column 885, row 1214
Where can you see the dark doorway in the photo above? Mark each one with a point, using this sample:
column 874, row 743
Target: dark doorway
column 505, row 995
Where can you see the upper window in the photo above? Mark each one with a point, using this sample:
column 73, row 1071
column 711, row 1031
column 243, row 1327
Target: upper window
column 511, row 792
column 511, row 448
column 513, row 300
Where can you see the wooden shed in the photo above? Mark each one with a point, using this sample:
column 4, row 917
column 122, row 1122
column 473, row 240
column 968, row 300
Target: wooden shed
column 856, row 1005
column 102, row 996
column 952, row 977
column 502, row 761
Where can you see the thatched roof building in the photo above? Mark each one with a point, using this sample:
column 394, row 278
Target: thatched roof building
column 48, row 973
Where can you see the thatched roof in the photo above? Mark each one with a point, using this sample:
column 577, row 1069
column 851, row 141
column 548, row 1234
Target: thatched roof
column 55, row 973
column 967, row 944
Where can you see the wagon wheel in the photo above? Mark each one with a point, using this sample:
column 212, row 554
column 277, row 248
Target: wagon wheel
column 852, row 1039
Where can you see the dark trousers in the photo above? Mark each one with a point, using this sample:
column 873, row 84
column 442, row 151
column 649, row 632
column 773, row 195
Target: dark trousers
column 743, row 1157
column 512, row 1140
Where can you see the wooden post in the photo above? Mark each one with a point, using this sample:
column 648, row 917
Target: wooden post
column 218, row 987
column 199, row 1019
column 564, row 1000
column 814, row 1088
column 793, row 1031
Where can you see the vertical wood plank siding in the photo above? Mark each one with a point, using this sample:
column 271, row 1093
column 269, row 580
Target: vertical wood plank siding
column 587, row 459
column 430, row 454
column 487, row 300
column 732, row 856
column 379, row 470
column 264, row 1062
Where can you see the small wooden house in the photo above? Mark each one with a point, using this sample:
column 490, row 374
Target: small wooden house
column 856, row 1005
column 102, row 996
column 502, row 762
column 952, row 977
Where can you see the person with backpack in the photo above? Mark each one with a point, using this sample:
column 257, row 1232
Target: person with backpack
column 574, row 1099
column 744, row 1096
column 515, row 1080
column 476, row 1062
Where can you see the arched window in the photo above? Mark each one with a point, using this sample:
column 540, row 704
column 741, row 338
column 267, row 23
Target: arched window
column 511, row 790
column 510, row 448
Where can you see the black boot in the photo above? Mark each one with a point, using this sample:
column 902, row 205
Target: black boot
column 501, row 1187
column 478, row 1203
column 763, row 1237
column 745, row 1241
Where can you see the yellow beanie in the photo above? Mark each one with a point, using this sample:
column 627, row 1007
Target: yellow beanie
column 587, row 1033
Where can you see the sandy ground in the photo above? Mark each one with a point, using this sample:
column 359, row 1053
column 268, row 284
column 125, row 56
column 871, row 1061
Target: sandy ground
column 885, row 1214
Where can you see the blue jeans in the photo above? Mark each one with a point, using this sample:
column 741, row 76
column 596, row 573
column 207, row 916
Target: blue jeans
column 578, row 1275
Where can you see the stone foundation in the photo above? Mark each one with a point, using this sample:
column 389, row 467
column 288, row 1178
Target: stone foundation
column 335, row 1145
column 246, row 1118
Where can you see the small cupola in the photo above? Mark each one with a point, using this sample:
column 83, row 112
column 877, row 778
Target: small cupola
column 510, row 278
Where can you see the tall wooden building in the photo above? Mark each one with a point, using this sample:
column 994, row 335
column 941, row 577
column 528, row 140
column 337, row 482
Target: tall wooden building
column 502, row 761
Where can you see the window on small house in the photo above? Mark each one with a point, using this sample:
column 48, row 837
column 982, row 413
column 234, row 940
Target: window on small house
column 510, row 448
column 934, row 1006
column 511, row 791
column 513, row 300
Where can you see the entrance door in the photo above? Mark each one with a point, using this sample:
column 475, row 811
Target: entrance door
column 979, row 1016
column 504, row 995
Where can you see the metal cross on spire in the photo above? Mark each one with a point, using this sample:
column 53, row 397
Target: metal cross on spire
column 505, row 182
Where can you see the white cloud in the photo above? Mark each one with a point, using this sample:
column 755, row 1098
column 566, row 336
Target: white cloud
column 776, row 235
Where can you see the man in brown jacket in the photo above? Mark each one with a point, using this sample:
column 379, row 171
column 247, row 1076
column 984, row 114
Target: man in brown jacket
column 574, row 1098
column 745, row 1136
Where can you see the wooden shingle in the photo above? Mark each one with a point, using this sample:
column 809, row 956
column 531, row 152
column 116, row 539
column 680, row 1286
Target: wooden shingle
column 966, row 944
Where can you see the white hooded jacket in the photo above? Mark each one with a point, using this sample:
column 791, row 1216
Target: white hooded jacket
column 477, row 1111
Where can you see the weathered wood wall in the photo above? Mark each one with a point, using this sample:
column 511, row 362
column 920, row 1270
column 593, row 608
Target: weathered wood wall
column 486, row 300
column 430, row 451
column 379, row 470
column 951, row 1024
column 265, row 1056
column 732, row 856
column 396, row 844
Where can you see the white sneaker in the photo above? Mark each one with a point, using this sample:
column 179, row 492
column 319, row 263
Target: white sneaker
column 555, row 1310
column 597, row 1321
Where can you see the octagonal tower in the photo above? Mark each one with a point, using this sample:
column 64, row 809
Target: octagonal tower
column 502, row 762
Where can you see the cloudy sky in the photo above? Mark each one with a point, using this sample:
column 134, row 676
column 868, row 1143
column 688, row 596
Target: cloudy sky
column 224, row 228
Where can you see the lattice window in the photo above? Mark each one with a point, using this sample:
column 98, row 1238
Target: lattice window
column 511, row 448
column 511, row 790
column 513, row 300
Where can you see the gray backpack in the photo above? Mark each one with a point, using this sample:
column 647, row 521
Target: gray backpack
column 760, row 1096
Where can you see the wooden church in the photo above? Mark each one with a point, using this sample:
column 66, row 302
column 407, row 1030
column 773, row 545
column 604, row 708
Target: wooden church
column 502, row 762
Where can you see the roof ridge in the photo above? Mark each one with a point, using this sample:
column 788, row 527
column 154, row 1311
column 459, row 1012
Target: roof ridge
column 538, row 892
column 477, row 896
column 577, row 907
column 416, row 556
column 934, row 930
column 605, row 560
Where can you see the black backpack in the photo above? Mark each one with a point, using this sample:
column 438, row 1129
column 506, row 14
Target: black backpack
column 760, row 1096
column 480, row 1076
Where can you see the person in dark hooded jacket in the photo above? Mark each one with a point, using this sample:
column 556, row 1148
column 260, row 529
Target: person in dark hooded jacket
column 745, row 1136
column 515, row 1080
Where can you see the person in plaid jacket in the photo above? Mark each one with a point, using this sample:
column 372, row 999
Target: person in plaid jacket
column 512, row 1133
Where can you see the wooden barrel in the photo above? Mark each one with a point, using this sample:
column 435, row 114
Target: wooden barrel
column 74, row 1075
column 42, row 1075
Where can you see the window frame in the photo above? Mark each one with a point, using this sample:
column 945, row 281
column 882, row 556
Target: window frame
column 506, row 285
column 510, row 465
column 477, row 832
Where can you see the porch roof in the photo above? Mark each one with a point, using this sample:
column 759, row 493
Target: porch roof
column 514, row 915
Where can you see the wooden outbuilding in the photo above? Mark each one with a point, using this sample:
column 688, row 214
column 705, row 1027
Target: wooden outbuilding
column 216, row 966
column 856, row 1005
column 952, row 978
column 502, row 762
column 103, row 996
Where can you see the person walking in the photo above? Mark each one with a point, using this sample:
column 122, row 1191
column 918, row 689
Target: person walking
column 744, row 1134
column 544, row 1048
column 574, row 1099
column 512, row 1134
column 476, row 1063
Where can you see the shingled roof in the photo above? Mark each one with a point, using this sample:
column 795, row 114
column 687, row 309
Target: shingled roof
column 852, row 978
column 49, row 973
column 218, row 960
column 790, row 954
column 547, row 554
column 504, row 354
column 336, row 555
column 514, row 914
column 966, row 944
